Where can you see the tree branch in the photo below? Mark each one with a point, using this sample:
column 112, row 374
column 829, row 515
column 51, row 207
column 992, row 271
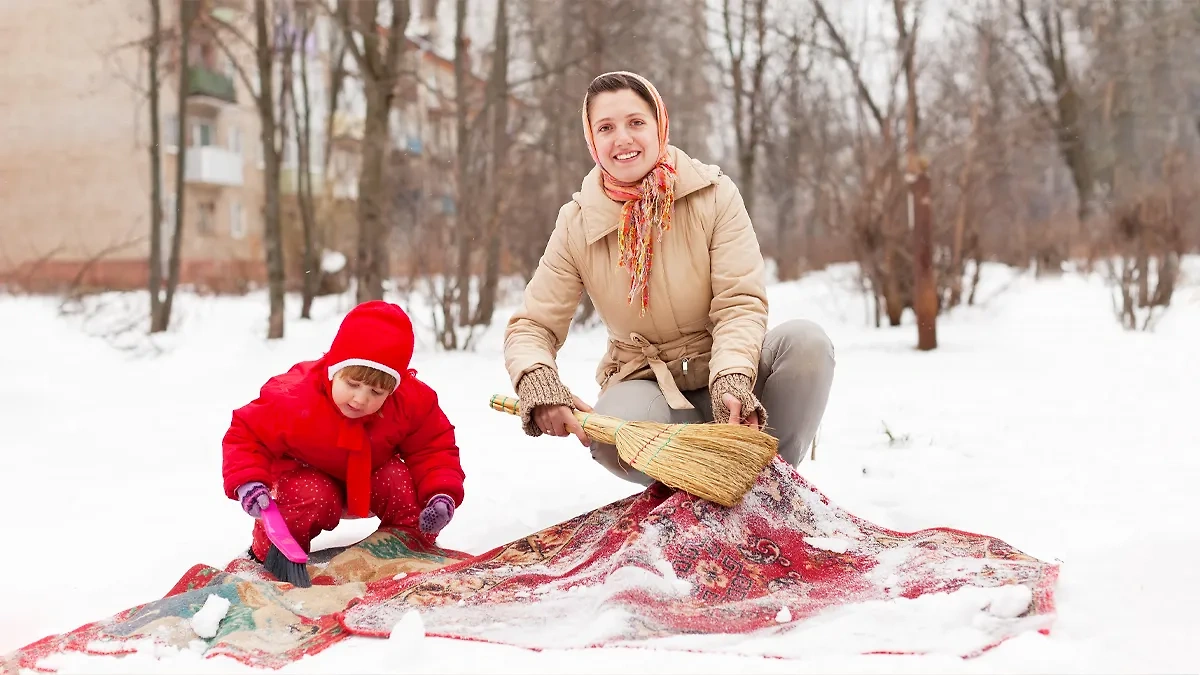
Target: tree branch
column 843, row 51
column 237, row 65
column 341, row 17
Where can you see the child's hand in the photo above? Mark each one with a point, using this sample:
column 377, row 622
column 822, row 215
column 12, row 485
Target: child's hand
column 254, row 498
column 437, row 514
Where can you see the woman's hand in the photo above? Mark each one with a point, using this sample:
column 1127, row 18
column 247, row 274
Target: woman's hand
column 735, row 412
column 559, row 420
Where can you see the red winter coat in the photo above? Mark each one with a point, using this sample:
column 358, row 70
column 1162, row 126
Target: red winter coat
column 294, row 420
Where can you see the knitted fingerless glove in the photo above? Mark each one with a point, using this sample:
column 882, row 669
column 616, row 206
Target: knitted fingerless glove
column 540, row 386
column 740, row 386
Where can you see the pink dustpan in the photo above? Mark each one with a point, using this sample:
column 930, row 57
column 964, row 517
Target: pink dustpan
column 277, row 532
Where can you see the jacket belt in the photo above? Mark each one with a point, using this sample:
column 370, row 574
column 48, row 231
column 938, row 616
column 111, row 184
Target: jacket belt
column 650, row 354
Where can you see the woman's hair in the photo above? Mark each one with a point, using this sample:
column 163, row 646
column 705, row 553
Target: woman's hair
column 619, row 82
column 369, row 376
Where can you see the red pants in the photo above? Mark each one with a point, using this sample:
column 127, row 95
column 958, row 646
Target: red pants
column 311, row 501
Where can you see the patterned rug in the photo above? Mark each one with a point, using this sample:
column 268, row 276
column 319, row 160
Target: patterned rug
column 268, row 624
column 784, row 573
column 654, row 569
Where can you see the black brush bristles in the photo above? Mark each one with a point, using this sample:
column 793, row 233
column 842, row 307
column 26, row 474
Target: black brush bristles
column 285, row 570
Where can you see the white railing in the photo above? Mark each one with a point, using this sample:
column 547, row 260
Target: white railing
column 213, row 165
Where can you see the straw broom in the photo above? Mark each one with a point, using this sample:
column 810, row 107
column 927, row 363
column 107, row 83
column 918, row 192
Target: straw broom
column 717, row 462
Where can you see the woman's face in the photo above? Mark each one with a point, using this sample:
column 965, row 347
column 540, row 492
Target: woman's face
column 625, row 133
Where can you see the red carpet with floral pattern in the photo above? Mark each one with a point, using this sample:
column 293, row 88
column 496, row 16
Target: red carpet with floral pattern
column 784, row 573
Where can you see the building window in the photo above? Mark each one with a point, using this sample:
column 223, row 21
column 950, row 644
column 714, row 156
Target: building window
column 235, row 141
column 202, row 134
column 208, row 212
column 237, row 226
column 169, row 129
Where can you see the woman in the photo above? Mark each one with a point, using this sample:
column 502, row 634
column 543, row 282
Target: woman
column 663, row 245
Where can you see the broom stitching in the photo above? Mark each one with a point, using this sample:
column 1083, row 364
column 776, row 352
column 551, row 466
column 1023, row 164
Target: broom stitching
column 638, row 455
column 678, row 428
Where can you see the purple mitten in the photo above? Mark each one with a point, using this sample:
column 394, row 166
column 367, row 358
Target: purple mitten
column 437, row 514
column 254, row 498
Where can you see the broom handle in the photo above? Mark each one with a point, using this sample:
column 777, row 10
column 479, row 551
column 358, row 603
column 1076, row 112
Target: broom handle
column 511, row 405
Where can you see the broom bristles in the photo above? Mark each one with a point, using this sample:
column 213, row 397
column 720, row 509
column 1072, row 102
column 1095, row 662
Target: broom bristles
column 717, row 462
column 285, row 570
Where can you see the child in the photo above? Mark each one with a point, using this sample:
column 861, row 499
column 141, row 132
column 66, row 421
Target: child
column 353, row 433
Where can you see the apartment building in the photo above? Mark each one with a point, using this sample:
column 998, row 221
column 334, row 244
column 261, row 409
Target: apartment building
column 75, row 188
column 75, row 165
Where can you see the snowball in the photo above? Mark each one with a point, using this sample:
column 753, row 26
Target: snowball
column 206, row 621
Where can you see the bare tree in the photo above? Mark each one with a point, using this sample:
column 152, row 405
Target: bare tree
column 302, row 122
column 187, row 14
column 482, row 143
column 272, row 117
column 378, row 62
column 746, row 72
column 497, row 105
column 465, row 226
column 1062, row 109
column 873, row 213
column 966, row 181
column 153, row 51
column 920, row 198
column 786, row 149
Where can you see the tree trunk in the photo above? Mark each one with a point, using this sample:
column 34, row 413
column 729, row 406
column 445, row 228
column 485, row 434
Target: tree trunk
column 893, row 297
column 370, row 185
column 173, row 264
column 1072, row 139
column 920, row 206
column 464, row 212
column 337, row 77
column 304, row 192
column 788, row 220
column 748, row 108
column 153, row 48
column 965, row 183
column 925, row 299
column 498, row 104
column 272, row 230
column 380, row 72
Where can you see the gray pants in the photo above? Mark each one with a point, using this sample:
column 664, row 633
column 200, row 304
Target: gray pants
column 795, row 373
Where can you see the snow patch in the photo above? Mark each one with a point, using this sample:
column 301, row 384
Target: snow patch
column 1010, row 601
column 206, row 621
column 834, row 544
column 332, row 262
column 408, row 631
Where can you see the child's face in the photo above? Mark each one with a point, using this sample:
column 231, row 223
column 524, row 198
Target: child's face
column 355, row 399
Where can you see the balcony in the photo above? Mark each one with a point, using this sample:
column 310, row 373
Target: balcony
column 289, row 179
column 204, row 82
column 211, row 165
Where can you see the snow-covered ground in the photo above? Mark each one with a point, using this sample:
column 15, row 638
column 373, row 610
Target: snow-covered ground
column 1038, row 420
